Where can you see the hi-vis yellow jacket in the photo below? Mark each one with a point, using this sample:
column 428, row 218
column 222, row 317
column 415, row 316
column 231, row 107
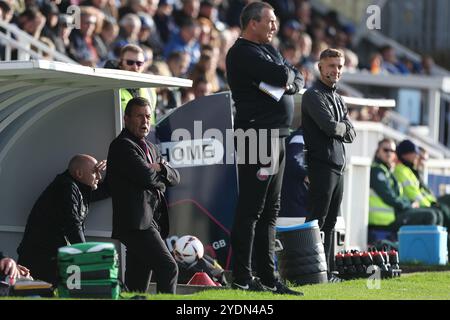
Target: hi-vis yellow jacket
column 386, row 196
column 147, row 93
column 411, row 186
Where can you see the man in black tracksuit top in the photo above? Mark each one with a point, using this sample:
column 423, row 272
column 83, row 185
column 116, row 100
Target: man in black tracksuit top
column 251, row 61
column 326, row 128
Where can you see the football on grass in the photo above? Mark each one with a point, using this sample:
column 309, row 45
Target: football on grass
column 188, row 249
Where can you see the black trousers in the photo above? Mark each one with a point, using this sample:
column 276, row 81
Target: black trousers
column 325, row 196
column 255, row 217
column 147, row 252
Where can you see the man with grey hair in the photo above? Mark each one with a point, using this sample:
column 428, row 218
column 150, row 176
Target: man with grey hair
column 326, row 128
column 250, row 62
column 58, row 216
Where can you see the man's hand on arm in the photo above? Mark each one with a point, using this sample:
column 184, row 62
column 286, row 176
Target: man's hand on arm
column 350, row 133
column 322, row 116
column 155, row 166
column 295, row 83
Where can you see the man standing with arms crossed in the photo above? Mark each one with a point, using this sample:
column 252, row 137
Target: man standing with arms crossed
column 250, row 62
column 326, row 128
column 137, row 177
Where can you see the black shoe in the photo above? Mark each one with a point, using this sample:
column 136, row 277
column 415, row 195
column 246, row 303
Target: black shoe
column 334, row 279
column 281, row 288
column 253, row 284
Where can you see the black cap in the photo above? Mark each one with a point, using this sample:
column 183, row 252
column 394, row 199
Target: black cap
column 406, row 146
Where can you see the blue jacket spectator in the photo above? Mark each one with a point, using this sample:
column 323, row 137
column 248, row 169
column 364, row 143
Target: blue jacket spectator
column 186, row 40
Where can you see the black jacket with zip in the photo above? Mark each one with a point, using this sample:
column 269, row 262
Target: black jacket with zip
column 249, row 63
column 58, row 216
column 326, row 127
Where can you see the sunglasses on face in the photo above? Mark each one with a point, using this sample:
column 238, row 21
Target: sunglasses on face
column 387, row 150
column 131, row 62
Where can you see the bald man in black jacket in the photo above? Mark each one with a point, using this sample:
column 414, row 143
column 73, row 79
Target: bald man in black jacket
column 58, row 216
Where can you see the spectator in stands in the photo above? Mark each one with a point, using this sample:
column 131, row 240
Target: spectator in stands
column 148, row 56
column 207, row 33
column 187, row 95
column 164, row 21
column 234, row 11
column 291, row 52
column 6, row 11
column 106, row 38
column 83, row 45
column 189, row 11
column 290, row 31
column 206, row 68
column 201, row 87
column 376, row 63
column 107, row 7
column 411, row 66
column 389, row 205
column 132, row 59
column 6, row 14
column 177, row 66
column 209, row 10
column 59, row 214
column 132, row 6
column 390, row 61
column 149, row 35
column 62, row 42
column 351, row 60
column 318, row 31
column 303, row 13
column 427, row 65
column 32, row 21
column 178, row 62
column 305, row 43
column 130, row 25
column 185, row 40
column 227, row 38
column 51, row 13
column 151, row 7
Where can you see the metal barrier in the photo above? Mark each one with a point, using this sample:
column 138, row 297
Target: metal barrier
column 426, row 92
column 15, row 38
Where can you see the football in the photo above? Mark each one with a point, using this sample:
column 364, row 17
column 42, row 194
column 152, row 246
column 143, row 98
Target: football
column 188, row 249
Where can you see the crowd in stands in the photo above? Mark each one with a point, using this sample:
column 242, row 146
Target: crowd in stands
column 190, row 38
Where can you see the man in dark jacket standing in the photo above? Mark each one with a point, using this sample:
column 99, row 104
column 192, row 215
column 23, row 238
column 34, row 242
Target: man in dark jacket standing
column 326, row 128
column 252, row 63
column 137, row 179
column 58, row 216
